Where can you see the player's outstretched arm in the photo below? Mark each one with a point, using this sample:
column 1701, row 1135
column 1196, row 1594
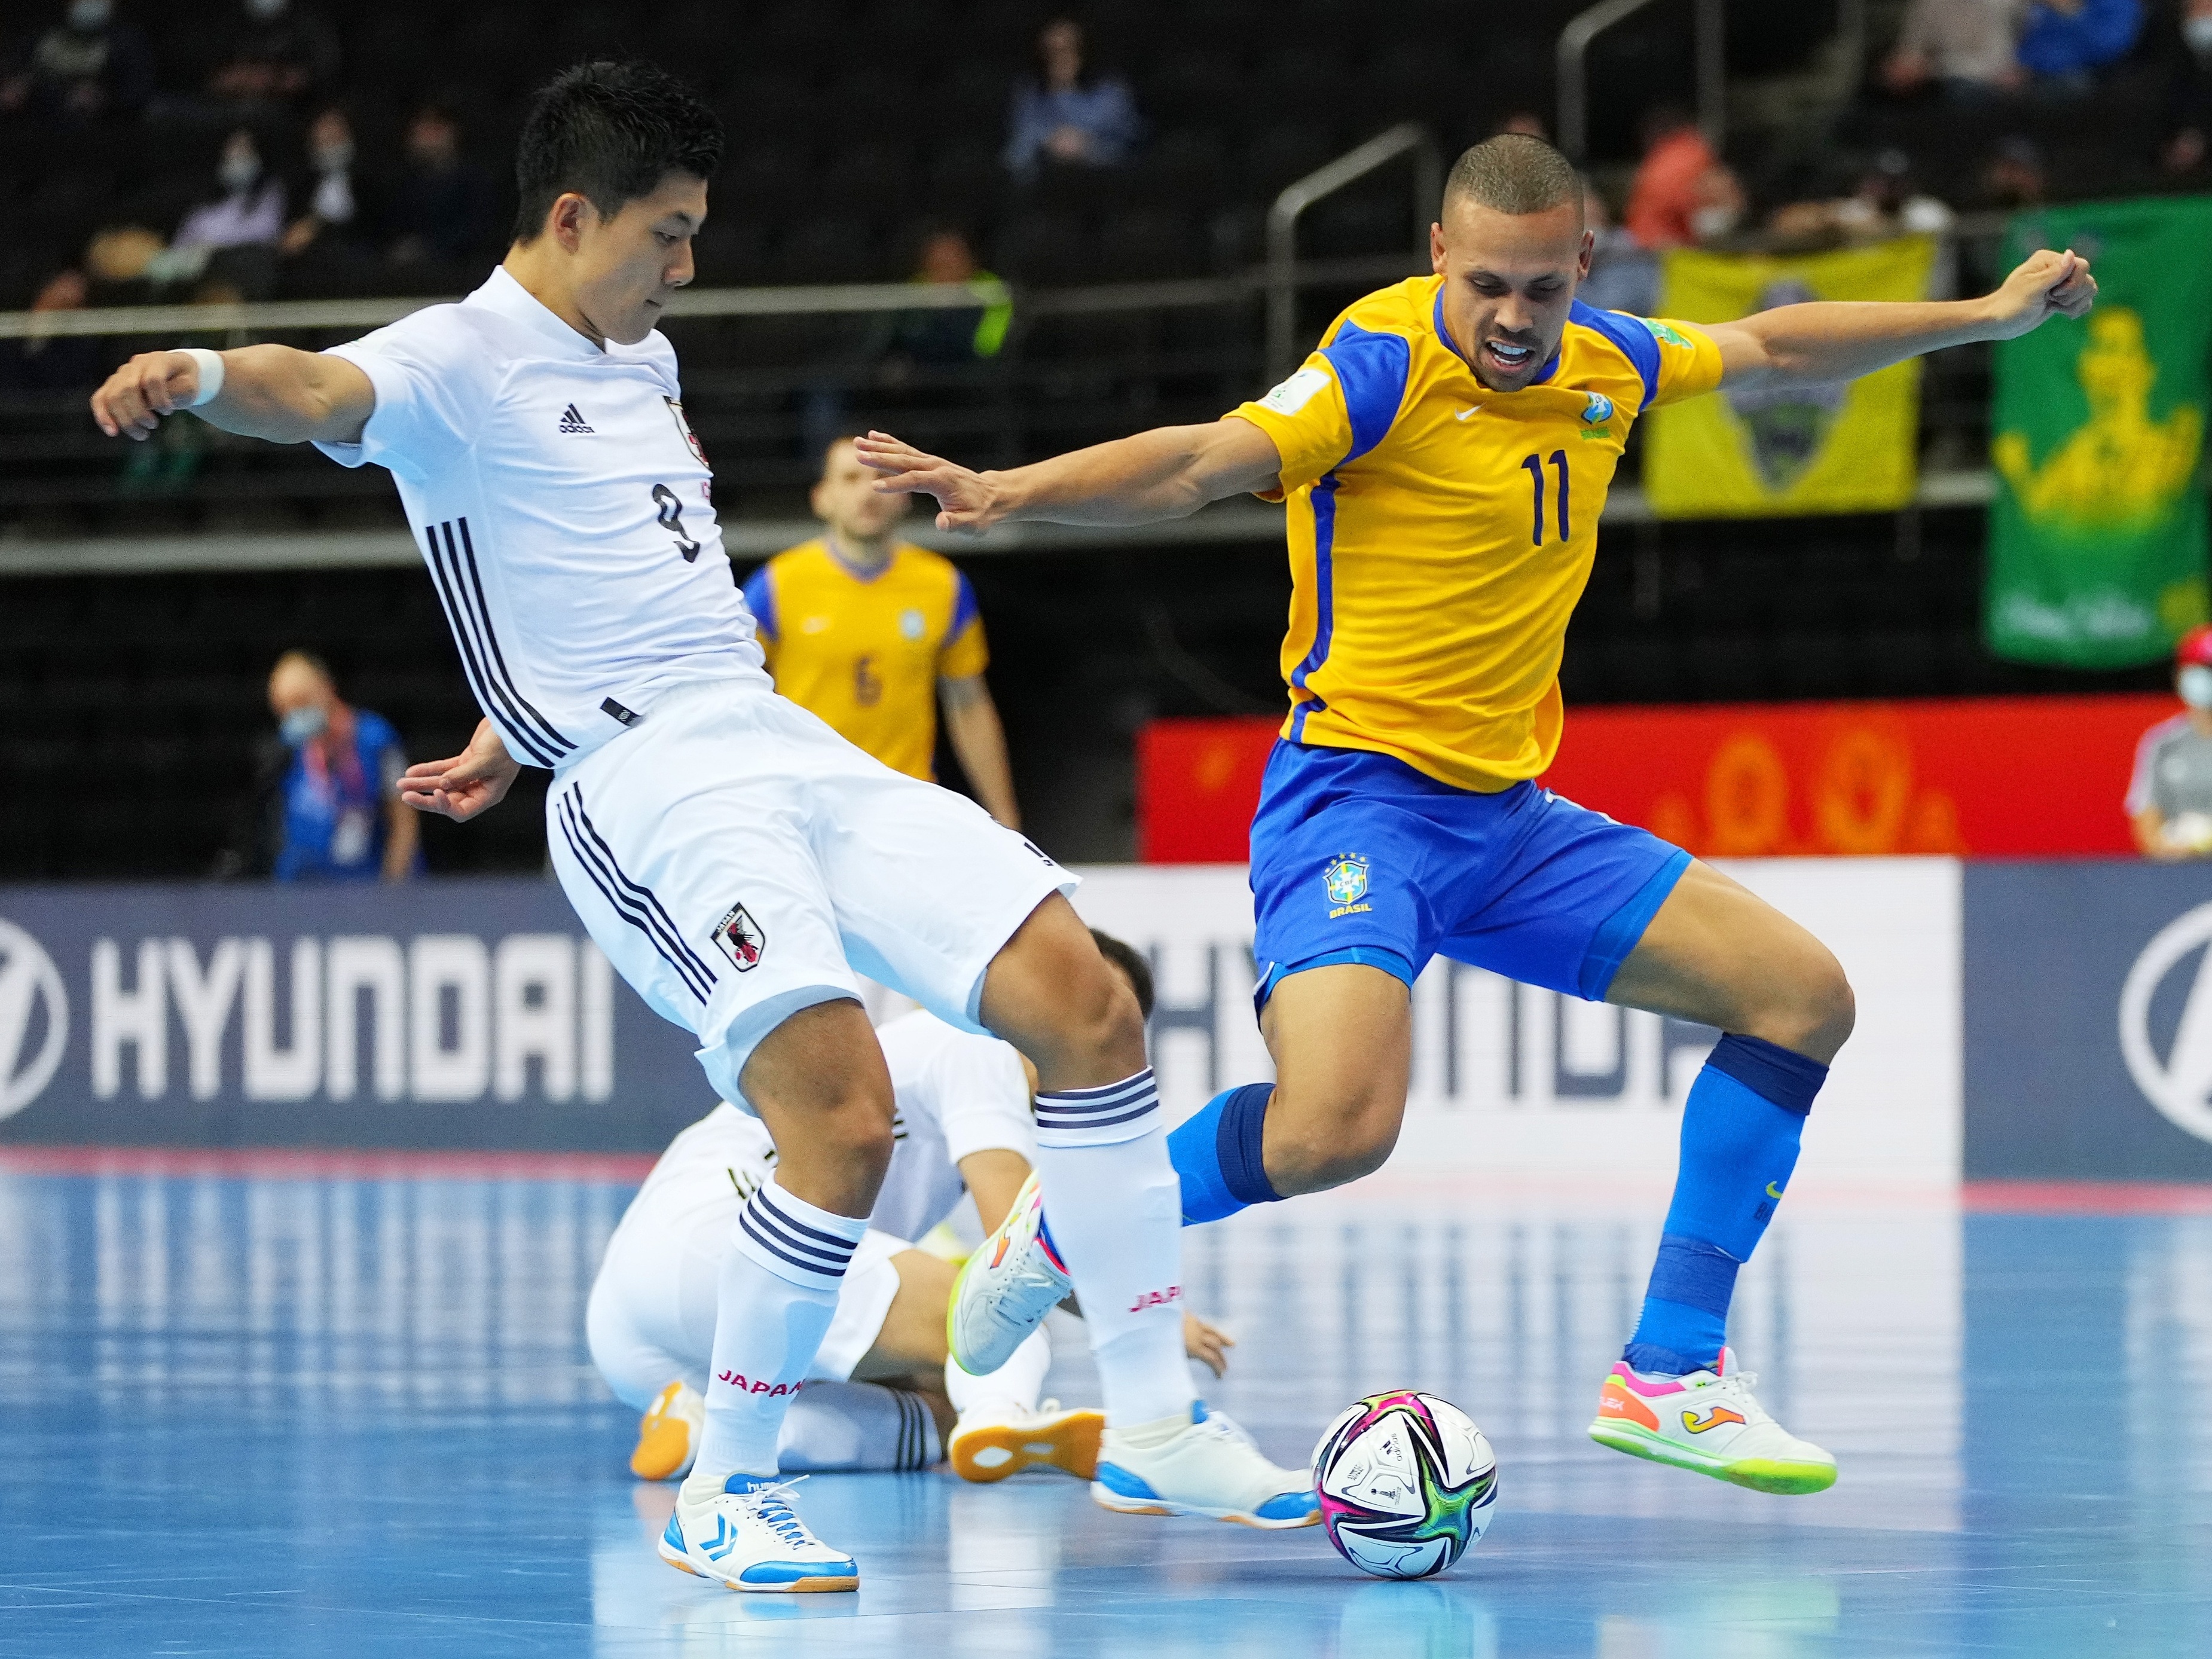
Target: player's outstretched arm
column 270, row 392
column 1828, row 340
column 1168, row 473
column 473, row 782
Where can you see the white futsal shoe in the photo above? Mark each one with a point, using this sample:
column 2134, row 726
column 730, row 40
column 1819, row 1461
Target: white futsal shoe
column 748, row 1537
column 1006, row 1288
column 668, row 1434
column 1709, row 1423
column 1210, row 1468
column 996, row 1438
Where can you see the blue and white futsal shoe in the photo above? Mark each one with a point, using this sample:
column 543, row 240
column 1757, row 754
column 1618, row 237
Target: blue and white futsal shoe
column 1006, row 1288
column 748, row 1537
column 1210, row 1468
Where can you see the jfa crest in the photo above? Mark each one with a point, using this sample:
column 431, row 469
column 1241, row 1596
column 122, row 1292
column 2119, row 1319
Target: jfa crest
column 698, row 450
column 740, row 939
column 1346, row 879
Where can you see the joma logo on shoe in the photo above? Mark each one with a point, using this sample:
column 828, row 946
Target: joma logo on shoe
column 1712, row 1419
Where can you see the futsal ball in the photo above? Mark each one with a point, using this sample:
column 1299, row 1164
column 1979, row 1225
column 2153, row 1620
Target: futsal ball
column 1406, row 1482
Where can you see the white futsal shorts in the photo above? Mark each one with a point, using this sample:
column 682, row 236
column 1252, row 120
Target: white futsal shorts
column 651, row 1317
column 738, row 861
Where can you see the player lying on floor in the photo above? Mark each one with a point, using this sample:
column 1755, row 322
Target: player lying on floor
column 880, row 1394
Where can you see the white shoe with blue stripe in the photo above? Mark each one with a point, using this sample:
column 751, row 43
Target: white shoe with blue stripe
column 748, row 1537
column 1211, row 1470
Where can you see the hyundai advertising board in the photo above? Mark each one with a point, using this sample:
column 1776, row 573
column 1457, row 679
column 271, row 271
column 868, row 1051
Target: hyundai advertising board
column 471, row 1014
column 2089, row 1021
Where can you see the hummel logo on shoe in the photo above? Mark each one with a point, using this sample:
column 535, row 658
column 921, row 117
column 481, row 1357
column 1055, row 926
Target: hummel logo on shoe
column 571, row 421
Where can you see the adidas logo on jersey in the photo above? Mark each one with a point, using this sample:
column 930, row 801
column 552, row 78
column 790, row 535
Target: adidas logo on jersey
column 572, row 421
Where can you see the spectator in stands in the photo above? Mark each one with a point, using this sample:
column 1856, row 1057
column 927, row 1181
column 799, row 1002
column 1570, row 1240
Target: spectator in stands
column 87, row 66
column 1623, row 275
column 445, row 210
column 903, row 342
column 250, row 210
column 2013, row 176
column 280, row 54
column 52, row 362
column 870, row 634
column 1683, row 192
column 335, row 230
column 2189, row 95
column 1067, row 116
column 2170, row 796
column 1965, row 47
column 2063, row 43
column 338, row 800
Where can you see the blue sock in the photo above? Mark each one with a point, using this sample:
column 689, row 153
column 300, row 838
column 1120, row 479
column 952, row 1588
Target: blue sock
column 1216, row 1152
column 1741, row 1128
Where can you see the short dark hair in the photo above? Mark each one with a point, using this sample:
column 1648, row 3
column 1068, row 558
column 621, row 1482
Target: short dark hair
column 611, row 132
column 1139, row 970
column 1515, row 173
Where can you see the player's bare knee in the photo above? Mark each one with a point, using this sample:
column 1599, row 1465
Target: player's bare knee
column 1812, row 1008
column 1312, row 1152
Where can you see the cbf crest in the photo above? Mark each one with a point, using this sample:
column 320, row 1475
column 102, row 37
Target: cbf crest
column 1346, row 879
column 740, row 939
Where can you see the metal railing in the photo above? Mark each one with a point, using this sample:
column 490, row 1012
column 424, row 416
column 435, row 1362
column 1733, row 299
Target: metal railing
column 1408, row 138
column 1573, row 55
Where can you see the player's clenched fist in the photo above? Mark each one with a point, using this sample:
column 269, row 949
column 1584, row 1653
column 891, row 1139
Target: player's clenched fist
column 153, row 383
column 2041, row 285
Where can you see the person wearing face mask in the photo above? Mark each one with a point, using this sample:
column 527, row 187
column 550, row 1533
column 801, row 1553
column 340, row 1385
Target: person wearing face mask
column 343, row 820
column 90, row 65
column 2170, row 795
column 330, row 246
column 280, row 54
column 250, row 212
column 1683, row 192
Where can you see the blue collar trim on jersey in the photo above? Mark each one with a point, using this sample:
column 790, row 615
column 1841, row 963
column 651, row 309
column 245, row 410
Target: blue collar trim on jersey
column 1550, row 368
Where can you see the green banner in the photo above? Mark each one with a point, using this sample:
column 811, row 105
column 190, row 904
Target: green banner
column 2097, row 535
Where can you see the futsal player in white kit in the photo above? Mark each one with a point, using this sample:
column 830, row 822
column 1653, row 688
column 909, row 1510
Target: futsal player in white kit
column 884, row 1392
column 737, row 860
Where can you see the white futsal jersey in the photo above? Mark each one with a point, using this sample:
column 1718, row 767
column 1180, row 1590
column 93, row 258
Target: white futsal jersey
column 956, row 1093
column 565, row 510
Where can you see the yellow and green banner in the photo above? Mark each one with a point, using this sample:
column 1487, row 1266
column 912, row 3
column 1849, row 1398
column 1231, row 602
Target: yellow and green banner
column 2097, row 535
column 1844, row 447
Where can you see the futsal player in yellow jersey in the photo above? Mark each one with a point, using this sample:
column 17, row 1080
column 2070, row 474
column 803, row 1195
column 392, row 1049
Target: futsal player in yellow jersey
column 868, row 633
column 1444, row 455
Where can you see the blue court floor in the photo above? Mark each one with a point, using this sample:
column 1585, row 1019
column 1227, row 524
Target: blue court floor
column 335, row 1415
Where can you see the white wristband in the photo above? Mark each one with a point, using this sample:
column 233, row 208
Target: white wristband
column 209, row 364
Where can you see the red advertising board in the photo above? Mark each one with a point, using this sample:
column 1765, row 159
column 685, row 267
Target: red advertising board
column 1988, row 777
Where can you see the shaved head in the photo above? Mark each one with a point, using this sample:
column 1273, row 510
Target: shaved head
column 1514, row 173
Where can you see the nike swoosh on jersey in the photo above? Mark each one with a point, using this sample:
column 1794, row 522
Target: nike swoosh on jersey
column 1461, row 414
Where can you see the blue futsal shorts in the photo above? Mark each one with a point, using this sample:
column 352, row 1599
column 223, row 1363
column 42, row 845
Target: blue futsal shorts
column 1357, row 857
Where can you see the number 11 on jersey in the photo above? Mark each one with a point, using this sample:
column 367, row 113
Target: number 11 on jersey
column 1535, row 468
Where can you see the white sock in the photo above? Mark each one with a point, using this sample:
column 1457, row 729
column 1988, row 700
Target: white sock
column 848, row 1426
column 777, row 1291
column 1113, row 1210
column 1015, row 1387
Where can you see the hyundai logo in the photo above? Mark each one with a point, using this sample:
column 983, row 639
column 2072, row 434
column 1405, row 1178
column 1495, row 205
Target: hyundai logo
column 31, row 997
column 2179, row 1083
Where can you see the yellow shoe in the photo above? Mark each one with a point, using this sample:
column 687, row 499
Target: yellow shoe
column 668, row 1433
column 991, row 1442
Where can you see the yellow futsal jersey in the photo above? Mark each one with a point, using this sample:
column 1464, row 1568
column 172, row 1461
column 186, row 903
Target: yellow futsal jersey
column 866, row 653
column 1440, row 532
